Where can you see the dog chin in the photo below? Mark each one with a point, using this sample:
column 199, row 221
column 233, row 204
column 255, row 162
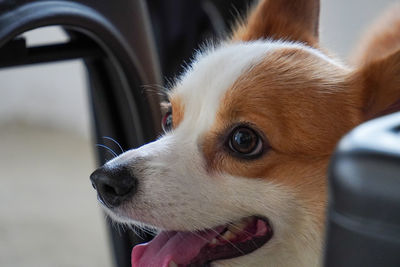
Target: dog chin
column 275, row 251
column 118, row 216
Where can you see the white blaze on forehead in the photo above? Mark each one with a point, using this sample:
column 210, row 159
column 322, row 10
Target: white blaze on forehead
column 210, row 76
column 214, row 71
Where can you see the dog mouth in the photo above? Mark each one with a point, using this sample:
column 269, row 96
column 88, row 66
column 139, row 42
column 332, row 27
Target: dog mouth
column 173, row 248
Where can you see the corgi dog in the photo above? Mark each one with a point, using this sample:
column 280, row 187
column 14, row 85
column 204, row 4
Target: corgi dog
column 239, row 177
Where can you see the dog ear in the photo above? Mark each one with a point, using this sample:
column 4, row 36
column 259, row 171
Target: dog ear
column 378, row 86
column 293, row 20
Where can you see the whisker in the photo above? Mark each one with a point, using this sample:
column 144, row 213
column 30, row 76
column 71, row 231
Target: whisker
column 113, row 140
column 113, row 224
column 140, row 232
column 247, row 233
column 144, row 230
column 198, row 235
column 108, row 149
column 155, row 89
column 168, row 234
column 218, row 234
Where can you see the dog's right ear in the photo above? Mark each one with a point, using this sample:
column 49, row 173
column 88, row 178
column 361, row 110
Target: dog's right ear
column 293, row 20
column 377, row 86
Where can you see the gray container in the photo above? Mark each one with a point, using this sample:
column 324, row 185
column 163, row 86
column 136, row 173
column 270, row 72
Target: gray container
column 363, row 224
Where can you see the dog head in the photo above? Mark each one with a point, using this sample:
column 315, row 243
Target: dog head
column 239, row 176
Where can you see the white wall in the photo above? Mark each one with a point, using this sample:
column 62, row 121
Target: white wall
column 52, row 95
column 343, row 22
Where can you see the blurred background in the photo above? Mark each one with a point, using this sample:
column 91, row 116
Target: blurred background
column 49, row 213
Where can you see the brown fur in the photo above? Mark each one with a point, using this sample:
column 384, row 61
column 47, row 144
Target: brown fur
column 282, row 19
column 291, row 97
column 302, row 104
column 177, row 110
column 378, row 85
column 299, row 101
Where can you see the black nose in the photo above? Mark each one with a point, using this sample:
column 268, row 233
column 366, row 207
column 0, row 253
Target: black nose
column 113, row 185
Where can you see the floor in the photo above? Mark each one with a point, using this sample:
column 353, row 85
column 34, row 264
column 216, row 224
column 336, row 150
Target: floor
column 49, row 214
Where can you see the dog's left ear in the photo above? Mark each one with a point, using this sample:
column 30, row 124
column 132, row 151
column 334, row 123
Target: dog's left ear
column 377, row 86
column 293, row 20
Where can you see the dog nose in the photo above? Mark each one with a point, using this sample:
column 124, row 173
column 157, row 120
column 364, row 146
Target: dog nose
column 113, row 185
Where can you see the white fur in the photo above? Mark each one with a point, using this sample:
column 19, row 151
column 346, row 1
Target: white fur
column 176, row 192
column 214, row 72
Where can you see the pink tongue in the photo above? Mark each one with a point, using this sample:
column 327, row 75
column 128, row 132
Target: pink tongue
column 180, row 247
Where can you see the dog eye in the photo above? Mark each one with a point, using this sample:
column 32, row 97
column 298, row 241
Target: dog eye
column 245, row 142
column 167, row 122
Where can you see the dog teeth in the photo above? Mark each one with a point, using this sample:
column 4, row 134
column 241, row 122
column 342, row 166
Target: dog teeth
column 228, row 235
column 237, row 227
column 232, row 232
column 172, row 264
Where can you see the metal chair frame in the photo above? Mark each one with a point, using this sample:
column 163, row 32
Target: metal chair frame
column 119, row 58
